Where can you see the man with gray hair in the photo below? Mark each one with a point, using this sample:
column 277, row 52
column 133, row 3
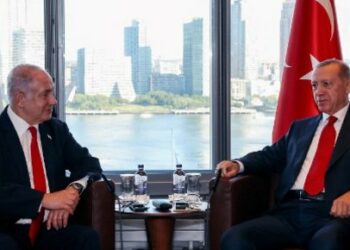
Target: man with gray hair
column 37, row 199
column 312, row 208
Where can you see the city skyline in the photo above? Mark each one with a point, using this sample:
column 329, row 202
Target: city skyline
column 29, row 34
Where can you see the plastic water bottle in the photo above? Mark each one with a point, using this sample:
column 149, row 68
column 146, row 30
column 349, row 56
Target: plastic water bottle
column 179, row 178
column 140, row 180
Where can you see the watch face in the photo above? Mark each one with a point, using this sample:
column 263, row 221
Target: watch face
column 78, row 187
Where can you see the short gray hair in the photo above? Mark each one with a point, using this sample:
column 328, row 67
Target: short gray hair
column 20, row 77
column 344, row 70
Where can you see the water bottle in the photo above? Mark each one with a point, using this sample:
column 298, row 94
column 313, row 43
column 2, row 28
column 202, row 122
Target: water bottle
column 140, row 181
column 179, row 178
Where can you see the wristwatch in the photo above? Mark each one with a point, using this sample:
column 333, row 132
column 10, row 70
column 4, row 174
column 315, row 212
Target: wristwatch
column 77, row 186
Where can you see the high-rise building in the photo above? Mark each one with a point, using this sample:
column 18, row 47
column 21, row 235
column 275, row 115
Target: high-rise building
column 80, row 83
column 240, row 89
column 101, row 73
column 28, row 47
column 168, row 82
column 267, row 71
column 145, row 70
column 193, row 56
column 237, row 41
column 167, row 76
column 141, row 57
column 285, row 25
column 22, row 36
column 131, row 49
column 168, row 66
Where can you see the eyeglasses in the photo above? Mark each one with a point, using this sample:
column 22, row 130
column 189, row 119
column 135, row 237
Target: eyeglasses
column 324, row 84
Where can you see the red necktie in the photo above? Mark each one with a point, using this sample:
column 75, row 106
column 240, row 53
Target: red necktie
column 314, row 182
column 39, row 182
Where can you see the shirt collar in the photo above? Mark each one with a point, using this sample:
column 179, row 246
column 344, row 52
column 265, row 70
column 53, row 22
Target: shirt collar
column 21, row 126
column 340, row 114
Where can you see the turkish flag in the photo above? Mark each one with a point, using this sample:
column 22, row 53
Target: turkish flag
column 313, row 38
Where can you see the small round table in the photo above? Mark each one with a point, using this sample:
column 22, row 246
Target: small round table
column 160, row 225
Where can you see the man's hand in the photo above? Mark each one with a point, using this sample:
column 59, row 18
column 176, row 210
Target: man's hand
column 341, row 206
column 228, row 168
column 66, row 199
column 57, row 219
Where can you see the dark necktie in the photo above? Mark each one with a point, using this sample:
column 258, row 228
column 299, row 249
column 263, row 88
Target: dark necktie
column 39, row 182
column 314, row 182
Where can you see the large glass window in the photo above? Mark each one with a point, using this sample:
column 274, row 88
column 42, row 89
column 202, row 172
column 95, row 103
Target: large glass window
column 137, row 73
column 21, row 37
column 258, row 46
column 137, row 81
column 343, row 10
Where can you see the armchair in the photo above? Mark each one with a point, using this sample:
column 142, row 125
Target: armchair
column 236, row 200
column 96, row 209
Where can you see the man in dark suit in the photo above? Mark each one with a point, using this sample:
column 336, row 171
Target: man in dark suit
column 311, row 210
column 63, row 166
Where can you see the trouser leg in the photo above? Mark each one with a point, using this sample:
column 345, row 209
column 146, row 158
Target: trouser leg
column 7, row 242
column 267, row 232
column 333, row 235
column 70, row 238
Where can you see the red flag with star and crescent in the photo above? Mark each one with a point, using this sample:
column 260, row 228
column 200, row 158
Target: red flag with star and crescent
column 313, row 38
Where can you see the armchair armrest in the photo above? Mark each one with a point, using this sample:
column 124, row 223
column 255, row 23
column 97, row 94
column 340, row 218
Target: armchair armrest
column 96, row 209
column 236, row 200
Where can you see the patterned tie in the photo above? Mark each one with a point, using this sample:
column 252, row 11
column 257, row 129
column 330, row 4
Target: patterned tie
column 314, row 182
column 39, row 182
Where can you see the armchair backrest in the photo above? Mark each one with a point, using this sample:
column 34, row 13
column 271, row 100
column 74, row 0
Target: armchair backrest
column 96, row 209
column 236, row 200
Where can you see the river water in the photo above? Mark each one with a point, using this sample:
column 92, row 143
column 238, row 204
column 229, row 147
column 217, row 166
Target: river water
column 159, row 141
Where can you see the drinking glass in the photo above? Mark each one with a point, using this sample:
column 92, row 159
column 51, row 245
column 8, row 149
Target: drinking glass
column 193, row 184
column 127, row 185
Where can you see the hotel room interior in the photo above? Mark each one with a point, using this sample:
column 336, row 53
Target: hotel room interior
column 163, row 83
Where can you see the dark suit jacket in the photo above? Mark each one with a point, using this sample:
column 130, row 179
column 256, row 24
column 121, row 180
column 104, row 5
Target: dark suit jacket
column 61, row 152
column 287, row 156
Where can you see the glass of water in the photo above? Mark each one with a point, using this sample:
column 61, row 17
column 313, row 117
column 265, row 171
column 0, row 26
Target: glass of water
column 193, row 184
column 127, row 186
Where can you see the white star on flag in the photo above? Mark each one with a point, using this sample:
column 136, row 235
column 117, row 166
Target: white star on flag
column 314, row 62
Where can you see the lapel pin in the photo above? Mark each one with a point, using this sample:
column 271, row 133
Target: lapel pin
column 49, row 136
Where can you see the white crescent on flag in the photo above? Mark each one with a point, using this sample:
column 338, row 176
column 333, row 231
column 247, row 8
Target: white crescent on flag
column 326, row 4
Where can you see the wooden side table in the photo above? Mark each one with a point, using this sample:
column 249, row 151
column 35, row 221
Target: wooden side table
column 160, row 225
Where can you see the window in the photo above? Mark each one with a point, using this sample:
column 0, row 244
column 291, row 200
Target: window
column 255, row 64
column 21, row 39
column 137, row 81
column 343, row 9
column 258, row 47
column 145, row 64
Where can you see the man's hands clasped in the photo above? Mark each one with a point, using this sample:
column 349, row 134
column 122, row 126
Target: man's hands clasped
column 61, row 205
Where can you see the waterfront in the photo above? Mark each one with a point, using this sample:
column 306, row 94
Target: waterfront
column 160, row 140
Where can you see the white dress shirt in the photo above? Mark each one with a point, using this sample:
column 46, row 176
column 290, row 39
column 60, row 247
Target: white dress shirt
column 340, row 115
column 300, row 181
column 25, row 137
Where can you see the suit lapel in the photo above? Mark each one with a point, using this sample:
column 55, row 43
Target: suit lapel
column 15, row 154
column 343, row 141
column 48, row 148
column 304, row 141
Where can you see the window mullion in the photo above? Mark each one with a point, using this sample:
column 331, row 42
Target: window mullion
column 221, row 88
